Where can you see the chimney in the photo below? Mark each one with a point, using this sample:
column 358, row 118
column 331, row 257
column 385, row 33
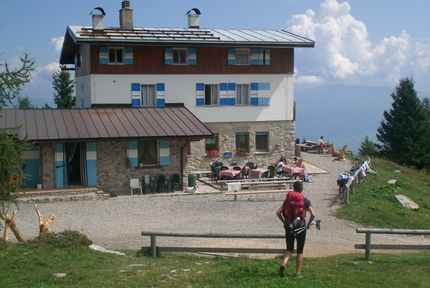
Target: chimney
column 193, row 19
column 98, row 22
column 126, row 16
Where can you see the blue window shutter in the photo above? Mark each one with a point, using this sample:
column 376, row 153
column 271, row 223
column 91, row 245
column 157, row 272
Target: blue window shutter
column 91, row 163
column 231, row 56
column 160, row 95
column 164, row 152
column 192, row 56
column 168, row 56
column 132, row 153
column 31, row 166
column 128, row 57
column 59, row 165
column 200, row 94
column 135, row 94
column 76, row 59
column 103, row 55
column 266, row 57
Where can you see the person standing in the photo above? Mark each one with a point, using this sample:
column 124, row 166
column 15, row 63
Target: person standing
column 292, row 213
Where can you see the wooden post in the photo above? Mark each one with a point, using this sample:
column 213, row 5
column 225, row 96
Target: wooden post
column 367, row 253
column 153, row 246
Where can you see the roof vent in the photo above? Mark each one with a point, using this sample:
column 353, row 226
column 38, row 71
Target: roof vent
column 126, row 16
column 98, row 19
column 193, row 19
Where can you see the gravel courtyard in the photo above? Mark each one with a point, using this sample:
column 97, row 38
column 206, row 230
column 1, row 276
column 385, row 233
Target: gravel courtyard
column 117, row 222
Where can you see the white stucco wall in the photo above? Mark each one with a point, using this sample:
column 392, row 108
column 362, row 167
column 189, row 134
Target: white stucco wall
column 116, row 89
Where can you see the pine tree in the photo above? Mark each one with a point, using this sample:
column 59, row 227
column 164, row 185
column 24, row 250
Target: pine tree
column 63, row 85
column 24, row 103
column 367, row 148
column 405, row 132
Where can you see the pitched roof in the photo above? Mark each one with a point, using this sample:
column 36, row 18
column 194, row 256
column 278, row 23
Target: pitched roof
column 76, row 35
column 104, row 124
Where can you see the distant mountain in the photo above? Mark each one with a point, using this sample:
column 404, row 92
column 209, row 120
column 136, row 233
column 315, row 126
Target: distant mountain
column 343, row 114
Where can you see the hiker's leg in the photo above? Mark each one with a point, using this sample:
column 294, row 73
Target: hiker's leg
column 301, row 238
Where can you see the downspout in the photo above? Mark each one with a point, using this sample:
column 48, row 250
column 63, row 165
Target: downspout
column 182, row 164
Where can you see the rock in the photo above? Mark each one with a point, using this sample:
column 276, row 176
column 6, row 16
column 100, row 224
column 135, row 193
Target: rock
column 392, row 181
column 406, row 202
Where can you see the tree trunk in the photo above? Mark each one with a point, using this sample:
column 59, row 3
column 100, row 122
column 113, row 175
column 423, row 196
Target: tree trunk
column 44, row 226
column 10, row 223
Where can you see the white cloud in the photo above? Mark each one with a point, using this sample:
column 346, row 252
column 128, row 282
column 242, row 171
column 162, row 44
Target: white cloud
column 344, row 54
column 57, row 43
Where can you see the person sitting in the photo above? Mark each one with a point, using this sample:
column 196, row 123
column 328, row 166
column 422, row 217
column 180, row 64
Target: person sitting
column 281, row 163
column 321, row 143
column 298, row 162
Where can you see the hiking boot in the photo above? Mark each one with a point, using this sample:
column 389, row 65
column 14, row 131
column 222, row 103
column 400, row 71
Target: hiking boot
column 299, row 275
column 281, row 271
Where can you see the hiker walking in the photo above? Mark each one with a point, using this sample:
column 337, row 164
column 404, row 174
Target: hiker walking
column 292, row 213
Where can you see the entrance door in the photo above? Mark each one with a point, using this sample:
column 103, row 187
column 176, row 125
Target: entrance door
column 75, row 164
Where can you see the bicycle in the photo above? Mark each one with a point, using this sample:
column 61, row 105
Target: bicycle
column 342, row 180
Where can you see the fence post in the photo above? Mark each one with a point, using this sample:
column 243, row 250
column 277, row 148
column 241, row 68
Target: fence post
column 153, row 246
column 367, row 253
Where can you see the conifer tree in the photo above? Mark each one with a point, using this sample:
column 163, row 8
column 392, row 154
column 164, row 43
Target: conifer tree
column 367, row 148
column 64, row 86
column 405, row 132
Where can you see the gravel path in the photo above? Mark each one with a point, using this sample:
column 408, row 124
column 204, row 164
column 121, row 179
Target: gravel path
column 116, row 223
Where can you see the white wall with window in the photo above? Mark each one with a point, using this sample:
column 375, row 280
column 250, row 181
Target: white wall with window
column 116, row 89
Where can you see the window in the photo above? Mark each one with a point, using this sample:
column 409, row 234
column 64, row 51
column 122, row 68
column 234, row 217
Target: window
column 148, row 95
column 211, row 95
column 242, row 94
column 261, row 141
column 212, row 143
column 242, row 141
column 147, row 152
column 242, row 56
column 180, row 56
column 116, row 55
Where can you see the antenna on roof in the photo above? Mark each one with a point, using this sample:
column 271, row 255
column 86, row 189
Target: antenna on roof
column 197, row 11
column 100, row 9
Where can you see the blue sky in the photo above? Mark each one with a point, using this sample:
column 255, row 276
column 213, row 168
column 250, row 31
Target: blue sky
column 358, row 42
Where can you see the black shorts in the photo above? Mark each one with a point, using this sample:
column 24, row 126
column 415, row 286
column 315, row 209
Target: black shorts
column 289, row 239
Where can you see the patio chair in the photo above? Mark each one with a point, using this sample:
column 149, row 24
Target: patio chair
column 233, row 164
column 147, row 183
column 162, row 182
column 175, row 180
column 245, row 172
column 251, row 165
column 271, row 172
column 135, row 184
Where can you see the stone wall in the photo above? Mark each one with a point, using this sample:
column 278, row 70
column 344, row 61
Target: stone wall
column 281, row 142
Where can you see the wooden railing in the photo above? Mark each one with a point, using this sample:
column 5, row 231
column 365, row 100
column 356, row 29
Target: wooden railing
column 369, row 231
column 153, row 248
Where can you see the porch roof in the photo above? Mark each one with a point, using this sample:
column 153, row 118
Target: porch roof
column 104, row 124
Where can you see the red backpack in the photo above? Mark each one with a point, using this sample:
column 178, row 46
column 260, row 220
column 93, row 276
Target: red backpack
column 294, row 207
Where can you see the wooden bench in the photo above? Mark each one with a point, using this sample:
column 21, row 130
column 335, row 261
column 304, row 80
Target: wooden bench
column 246, row 185
column 258, row 180
column 255, row 192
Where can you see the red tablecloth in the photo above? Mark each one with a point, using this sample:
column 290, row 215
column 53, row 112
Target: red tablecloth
column 230, row 172
column 293, row 171
column 256, row 173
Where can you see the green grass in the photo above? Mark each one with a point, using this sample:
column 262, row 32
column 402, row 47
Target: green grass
column 373, row 204
column 35, row 263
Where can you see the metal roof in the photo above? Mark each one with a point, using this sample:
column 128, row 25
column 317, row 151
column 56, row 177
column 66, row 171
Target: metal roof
column 259, row 37
column 104, row 124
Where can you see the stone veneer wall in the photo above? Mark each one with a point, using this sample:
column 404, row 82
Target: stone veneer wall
column 113, row 169
column 281, row 142
column 47, row 165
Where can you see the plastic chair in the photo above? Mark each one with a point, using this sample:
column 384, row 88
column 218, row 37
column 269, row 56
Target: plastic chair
column 251, row 165
column 135, row 184
column 175, row 180
column 245, row 172
column 233, row 164
column 147, row 183
column 162, row 182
